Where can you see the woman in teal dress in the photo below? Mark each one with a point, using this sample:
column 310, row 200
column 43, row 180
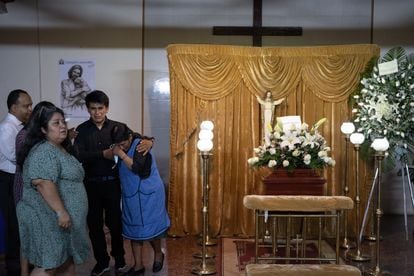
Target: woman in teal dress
column 144, row 215
column 53, row 208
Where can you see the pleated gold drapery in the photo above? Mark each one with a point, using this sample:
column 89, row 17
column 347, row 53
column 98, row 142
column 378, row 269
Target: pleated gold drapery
column 220, row 83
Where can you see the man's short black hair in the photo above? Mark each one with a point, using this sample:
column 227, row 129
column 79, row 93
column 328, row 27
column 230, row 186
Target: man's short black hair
column 97, row 96
column 14, row 97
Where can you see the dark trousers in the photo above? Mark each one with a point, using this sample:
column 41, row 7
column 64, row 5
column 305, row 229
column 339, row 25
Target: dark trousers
column 8, row 210
column 104, row 199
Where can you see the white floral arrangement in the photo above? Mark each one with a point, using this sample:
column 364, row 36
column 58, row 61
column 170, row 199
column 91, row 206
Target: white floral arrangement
column 296, row 147
column 384, row 104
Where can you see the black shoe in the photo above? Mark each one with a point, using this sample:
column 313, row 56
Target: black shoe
column 157, row 266
column 100, row 269
column 120, row 265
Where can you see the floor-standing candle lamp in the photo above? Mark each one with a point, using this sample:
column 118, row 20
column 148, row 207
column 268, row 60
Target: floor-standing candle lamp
column 380, row 146
column 206, row 133
column 371, row 237
column 357, row 139
column 346, row 128
column 205, row 145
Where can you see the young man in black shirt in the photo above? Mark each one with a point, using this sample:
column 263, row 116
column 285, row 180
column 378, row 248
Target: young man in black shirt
column 93, row 146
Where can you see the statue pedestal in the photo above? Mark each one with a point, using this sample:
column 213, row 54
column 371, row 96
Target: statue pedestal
column 297, row 182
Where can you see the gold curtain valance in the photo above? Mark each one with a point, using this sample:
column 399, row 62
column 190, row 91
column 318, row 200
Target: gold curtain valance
column 211, row 71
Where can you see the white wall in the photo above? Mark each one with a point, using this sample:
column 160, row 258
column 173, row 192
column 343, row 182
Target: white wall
column 37, row 33
column 34, row 35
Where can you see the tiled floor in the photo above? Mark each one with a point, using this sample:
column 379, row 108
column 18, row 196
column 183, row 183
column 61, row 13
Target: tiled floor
column 397, row 254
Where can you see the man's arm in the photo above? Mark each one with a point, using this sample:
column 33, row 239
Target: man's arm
column 140, row 164
column 7, row 143
column 145, row 146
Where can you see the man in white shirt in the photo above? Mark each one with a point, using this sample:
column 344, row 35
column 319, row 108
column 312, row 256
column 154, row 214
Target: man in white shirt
column 19, row 104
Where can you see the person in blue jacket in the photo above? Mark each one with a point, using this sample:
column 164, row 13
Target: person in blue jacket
column 144, row 214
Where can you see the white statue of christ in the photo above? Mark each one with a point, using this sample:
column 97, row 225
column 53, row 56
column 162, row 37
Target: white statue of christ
column 268, row 108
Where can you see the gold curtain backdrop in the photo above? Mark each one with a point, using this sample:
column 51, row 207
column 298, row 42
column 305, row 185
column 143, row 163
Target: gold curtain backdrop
column 220, row 83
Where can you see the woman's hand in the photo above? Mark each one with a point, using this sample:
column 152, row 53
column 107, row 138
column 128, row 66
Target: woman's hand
column 116, row 150
column 64, row 220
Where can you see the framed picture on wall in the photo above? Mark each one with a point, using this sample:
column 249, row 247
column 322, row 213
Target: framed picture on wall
column 77, row 79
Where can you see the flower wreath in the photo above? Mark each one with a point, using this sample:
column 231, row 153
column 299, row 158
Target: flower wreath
column 384, row 104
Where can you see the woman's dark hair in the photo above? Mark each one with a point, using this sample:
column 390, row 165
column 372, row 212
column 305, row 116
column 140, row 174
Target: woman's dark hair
column 76, row 66
column 97, row 96
column 40, row 106
column 34, row 130
column 120, row 133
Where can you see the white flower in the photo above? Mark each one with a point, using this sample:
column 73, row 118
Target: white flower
column 272, row 163
column 322, row 153
column 252, row 161
column 293, row 144
column 289, row 140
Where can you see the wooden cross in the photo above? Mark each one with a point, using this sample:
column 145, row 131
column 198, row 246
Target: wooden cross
column 257, row 31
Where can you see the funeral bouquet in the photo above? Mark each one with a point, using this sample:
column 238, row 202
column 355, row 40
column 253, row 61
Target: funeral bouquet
column 293, row 147
column 384, row 103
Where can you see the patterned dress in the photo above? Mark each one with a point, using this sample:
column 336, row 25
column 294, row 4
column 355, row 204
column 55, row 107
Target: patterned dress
column 43, row 242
